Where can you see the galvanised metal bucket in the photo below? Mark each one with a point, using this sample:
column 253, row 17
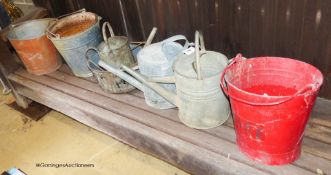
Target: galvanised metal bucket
column 72, row 35
column 200, row 101
column 156, row 60
column 36, row 51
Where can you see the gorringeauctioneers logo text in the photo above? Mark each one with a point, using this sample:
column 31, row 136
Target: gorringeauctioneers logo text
column 65, row 165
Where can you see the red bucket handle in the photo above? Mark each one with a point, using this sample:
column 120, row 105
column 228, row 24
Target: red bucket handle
column 238, row 58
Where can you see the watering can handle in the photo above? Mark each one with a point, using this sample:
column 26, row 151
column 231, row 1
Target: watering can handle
column 151, row 37
column 89, row 60
column 110, row 29
column 176, row 38
column 199, row 39
column 239, row 58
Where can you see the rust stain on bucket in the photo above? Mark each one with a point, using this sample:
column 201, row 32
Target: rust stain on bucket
column 35, row 50
column 74, row 28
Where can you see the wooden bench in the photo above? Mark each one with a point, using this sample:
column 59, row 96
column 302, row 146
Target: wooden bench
column 127, row 118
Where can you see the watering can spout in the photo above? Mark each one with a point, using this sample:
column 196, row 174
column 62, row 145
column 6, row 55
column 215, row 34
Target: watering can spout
column 168, row 95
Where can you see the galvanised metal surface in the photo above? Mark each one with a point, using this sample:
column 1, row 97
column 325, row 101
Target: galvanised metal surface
column 116, row 49
column 200, row 101
column 73, row 47
column 36, row 51
column 156, row 60
column 107, row 81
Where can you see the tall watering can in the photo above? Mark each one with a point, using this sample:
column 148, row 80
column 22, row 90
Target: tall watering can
column 156, row 60
column 200, row 101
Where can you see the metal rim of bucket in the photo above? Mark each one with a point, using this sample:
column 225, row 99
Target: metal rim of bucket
column 309, row 88
column 52, row 36
column 12, row 28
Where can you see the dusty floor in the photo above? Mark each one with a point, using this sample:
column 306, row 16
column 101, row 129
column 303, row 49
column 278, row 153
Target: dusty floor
column 57, row 138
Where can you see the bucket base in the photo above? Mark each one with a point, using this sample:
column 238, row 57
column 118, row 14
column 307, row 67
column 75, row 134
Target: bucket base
column 269, row 159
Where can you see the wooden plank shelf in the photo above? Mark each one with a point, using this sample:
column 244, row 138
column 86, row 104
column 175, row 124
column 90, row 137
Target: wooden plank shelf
column 127, row 118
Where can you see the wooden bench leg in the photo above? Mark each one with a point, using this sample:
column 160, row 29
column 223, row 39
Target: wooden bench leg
column 9, row 65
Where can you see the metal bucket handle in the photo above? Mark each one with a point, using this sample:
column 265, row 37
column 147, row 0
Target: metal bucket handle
column 198, row 53
column 49, row 33
column 239, row 58
column 104, row 34
column 78, row 11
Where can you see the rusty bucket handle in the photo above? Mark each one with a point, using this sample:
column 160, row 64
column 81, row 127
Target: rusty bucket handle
column 75, row 12
column 51, row 24
column 48, row 32
column 198, row 53
column 104, row 34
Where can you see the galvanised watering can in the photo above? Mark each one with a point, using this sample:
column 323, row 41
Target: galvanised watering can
column 200, row 101
column 115, row 51
column 156, row 60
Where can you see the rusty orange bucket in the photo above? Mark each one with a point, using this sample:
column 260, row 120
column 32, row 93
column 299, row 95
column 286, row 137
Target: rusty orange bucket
column 35, row 50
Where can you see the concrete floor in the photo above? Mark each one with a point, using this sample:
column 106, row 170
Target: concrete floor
column 57, row 138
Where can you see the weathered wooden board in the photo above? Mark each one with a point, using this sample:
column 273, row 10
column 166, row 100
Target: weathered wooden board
column 220, row 140
column 171, row 114
column 179, row 152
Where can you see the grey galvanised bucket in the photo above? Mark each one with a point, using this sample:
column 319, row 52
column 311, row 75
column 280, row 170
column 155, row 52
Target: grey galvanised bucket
column 73, row 46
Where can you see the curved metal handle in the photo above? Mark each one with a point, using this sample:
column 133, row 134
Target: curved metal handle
column 89, row 60
column 176, row 38
column 78, row 11
column 234, row 60
column 104, row 34
column 239, row 58
column 199, row 37
column 49, row 33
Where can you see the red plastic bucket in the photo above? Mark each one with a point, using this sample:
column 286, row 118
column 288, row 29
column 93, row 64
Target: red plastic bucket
column 271, row 100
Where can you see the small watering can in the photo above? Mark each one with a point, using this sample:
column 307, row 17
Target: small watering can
column 114, row 51
column 200, row 101
column 156, row 60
